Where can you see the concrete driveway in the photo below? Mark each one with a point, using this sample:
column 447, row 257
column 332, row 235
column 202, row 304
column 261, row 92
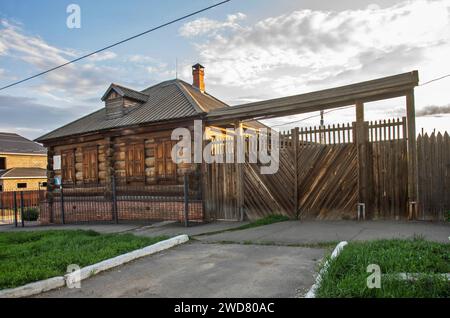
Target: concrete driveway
column 308, row 232
column 208, row 270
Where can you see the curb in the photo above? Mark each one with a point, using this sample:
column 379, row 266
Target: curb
column 337, row 250
column 88, row 271
column 34, row 288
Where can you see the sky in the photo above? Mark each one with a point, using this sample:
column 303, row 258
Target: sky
column 252, row 50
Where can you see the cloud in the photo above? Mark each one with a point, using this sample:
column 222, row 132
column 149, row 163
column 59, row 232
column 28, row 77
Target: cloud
column 103, row 56
column 207, row 26
column 138, row 58
column 307, row 50
column 27, row 116
column 68, row 82
column 436, row 111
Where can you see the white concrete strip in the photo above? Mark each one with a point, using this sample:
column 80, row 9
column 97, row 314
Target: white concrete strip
column 86, row 272
column 91, row 270
column 337, row 250
column 414, row 276
column 34, row 288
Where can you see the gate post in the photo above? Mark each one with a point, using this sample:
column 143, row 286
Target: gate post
column 361, row 134
column 239, row 168
column 114, row 199
column 50, row 181
column 63, row 218
column 413, row 191
column 15, row 208
column 21, row 209
column 186, row 200
column 295, row 135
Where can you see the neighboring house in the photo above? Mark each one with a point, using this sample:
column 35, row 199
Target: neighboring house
column 130, row 137
column 22, row 163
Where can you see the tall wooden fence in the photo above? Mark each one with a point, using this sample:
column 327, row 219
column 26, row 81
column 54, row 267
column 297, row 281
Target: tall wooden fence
column 434, row 175
column 324, row 172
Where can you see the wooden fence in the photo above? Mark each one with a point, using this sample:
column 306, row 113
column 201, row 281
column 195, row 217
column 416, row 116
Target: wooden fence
column 324, row 172
column 434, row 176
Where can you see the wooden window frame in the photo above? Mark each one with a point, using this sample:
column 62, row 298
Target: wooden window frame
column 166, row 157
column 133, row 165
column 64, row 170
column 89, row 172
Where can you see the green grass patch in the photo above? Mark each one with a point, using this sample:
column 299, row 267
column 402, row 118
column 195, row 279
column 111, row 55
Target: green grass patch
column 347, row 274
column 27, row 257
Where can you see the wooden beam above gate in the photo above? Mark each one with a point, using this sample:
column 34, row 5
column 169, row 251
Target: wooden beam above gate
column 378, row 89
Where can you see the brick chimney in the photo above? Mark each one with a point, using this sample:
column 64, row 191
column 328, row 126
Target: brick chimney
column 198, row 74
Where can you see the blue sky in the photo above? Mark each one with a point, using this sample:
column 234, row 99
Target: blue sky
column 252, row 50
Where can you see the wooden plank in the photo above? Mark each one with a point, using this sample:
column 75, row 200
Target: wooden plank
column 382, row 88
column 412, row 150
column 295, row 133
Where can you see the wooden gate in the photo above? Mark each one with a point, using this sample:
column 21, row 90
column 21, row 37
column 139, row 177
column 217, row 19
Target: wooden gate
column 320, row 176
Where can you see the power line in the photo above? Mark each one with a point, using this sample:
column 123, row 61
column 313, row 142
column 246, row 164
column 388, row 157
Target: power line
column 115, row 44
column 435, row 79
column 314, row 116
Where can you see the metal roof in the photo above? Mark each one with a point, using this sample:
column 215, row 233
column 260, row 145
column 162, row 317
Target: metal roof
column 23, row 173
column 170, row 100
column 16, row 144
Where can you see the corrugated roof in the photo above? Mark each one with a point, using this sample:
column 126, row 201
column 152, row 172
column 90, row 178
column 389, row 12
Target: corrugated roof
column 24, row 173
column 170, row 100
column 126, row 92
column 14, row 143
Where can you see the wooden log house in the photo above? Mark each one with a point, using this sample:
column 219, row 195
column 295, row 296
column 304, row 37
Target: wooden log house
column 130, row 137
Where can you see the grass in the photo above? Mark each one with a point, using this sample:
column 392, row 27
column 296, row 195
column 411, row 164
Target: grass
column 26, row 257
column 347, row 275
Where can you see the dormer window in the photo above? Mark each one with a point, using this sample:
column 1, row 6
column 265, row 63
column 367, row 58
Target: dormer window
column 119, row 100
column 112, row 95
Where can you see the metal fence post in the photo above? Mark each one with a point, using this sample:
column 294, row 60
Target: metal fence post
column 186, row 200
column 21, row 208
column 15, row 208
column 63, row 217
column 2, row 214
column 114, row 200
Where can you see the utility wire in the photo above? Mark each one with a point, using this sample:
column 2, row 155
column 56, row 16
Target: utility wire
column 314, row 116
column 116, row 44
column 434, row 80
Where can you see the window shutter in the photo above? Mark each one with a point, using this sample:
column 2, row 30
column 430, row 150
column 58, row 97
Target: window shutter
column 135, row 160
column 68, row 165
column 90, row 164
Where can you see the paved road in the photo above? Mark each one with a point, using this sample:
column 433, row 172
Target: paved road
column 208, row 270
column 295, row 232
